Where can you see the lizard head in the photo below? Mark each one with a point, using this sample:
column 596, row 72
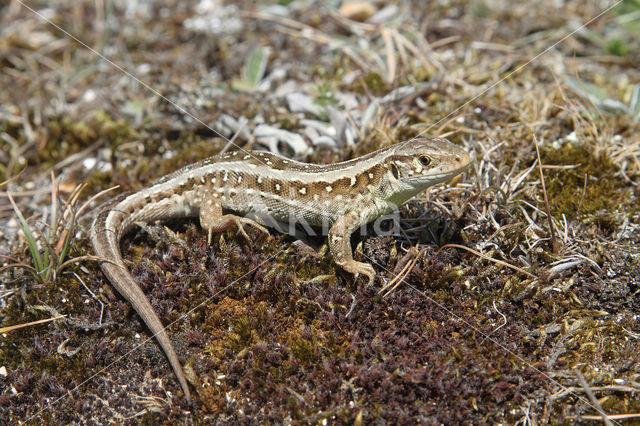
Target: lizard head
column 415, row 165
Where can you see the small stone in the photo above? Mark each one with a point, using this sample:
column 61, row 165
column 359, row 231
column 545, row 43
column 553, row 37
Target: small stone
column 357, row 10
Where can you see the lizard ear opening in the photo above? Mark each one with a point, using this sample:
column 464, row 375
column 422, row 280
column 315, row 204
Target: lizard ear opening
column 394, row 171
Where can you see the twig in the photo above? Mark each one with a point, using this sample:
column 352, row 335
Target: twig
column 592, row 398
column 19, row 265
column 92, row 295
column 611, row 388
column 353, row 305
column 504, row 317
column 484, row 256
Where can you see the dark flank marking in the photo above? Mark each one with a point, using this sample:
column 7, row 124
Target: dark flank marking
column 342, row 185
column 191, row 183
column 373, row 174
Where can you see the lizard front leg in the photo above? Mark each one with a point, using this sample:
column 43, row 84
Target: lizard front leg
column 212, row 220
column 340, row 245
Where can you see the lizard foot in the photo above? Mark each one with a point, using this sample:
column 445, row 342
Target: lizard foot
column 229, row 220
column 357, row 268
column 246, row 221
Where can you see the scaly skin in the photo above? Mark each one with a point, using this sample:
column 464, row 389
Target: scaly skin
column 268, row 188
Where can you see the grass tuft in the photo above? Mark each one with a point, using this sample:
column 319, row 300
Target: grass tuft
column 50, row 247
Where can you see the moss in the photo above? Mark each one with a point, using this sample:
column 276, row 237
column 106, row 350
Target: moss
column 190, row 149
column 617, row 47
column 242, row 333
column 302, row 349
column 589, row 187
column 66, row 136
column 371, row 83
column 280, row 343
column 325, row 94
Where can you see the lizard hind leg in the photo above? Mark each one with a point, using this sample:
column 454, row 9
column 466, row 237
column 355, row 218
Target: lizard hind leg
column 212, row 220
column 340, row 246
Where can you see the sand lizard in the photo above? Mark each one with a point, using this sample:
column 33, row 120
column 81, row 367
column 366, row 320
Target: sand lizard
column 340, row 197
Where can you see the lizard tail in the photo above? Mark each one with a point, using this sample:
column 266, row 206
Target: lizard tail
column 105, row 237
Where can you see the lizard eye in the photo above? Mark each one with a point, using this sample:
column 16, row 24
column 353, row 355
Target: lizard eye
column 424, row 160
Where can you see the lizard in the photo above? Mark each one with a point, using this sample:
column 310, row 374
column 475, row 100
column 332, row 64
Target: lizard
column 252, row 186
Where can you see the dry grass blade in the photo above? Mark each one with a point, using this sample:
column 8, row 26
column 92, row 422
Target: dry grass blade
column 10, row 258
column 73, row 199
column 297, row 29
column 86, row 257
column 484, row 256
column 55, row 217
column 554, row 241
column 28, row 324
column 11, row 179
column 92, row 199
column 610, row 416
column 504, row 318
column 390, row 53
column 19, row 265
column 68, row 215
column 395, row 282
column 402, row 42
column 402, row 52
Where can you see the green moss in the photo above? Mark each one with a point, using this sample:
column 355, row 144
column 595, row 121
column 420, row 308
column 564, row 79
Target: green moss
column 587, row 188
column 443, row 295
column 302, row 350
column 617, row 47
column 371, row 83
column 52, row 363
column 325, row 94
column 242, row 334
column 419, row 74
column 66, row 137
column 98, row 181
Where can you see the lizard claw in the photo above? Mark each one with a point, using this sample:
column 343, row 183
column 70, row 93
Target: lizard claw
column 246, row 221
column 242, row 231
column 221, row 223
